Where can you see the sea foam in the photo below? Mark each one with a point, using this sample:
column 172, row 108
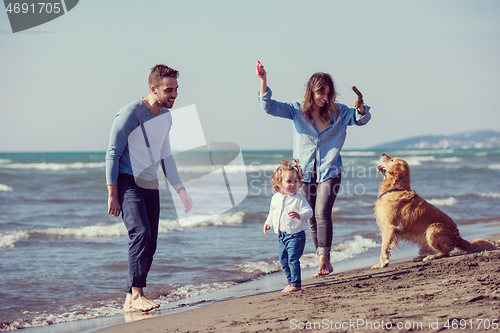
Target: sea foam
column 451, row 201
column 118, row 229
column 417, row 160
column 192, row 290
column 358, row 153
column 8, row 239
column 5, row 188
column 52, row 166
column 450, row 160
column 490, row 195
column 93, row 231
column 340, row 252
column 422, row 151
column 230, row 218
column 108, row 308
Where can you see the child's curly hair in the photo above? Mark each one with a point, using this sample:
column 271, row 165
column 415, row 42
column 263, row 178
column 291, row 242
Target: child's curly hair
column 277, row 176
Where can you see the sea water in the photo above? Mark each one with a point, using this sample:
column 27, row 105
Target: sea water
column 63, row 258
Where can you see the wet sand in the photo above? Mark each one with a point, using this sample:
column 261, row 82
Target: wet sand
column 459, row 293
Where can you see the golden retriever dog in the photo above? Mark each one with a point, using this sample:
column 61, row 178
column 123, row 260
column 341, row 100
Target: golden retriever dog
column 403, row 215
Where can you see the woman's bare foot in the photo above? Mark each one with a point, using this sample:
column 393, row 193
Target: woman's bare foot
column 289, row 289
column 138, row 302
column 325, row 266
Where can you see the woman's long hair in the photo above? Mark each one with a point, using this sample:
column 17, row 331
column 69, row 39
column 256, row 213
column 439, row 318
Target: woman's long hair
column 317, row 84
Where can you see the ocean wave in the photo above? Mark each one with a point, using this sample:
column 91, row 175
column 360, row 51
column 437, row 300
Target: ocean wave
column 423, row 151
column 260, row 267
column 206, row 169
column 411, row 160
column 52, row 166
column 231, row 218
column 350, row 248
column 339, row 252
column 257, row 167
column 106, row 308
column 417, row 160
column 489, row 195
column 234, row 168
column 3, row 160
column 8, row 239
column 357, row 203
column 192, row 290
column 5, row 188
column 450, row 160
column 93, row 231
column 494, row 166
column 451, row 201
column 355, row 153
column 118, row 229
column 98, row 309
column 77, row 312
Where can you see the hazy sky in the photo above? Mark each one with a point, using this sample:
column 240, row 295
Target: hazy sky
column 425, row 67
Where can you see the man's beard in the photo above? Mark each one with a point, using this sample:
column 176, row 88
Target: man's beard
column 166, row 104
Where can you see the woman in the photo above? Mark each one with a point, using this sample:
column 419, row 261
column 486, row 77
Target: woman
column 320, row 127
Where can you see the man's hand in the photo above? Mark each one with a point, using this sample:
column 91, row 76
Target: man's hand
column 186, row 200
column 113, row 202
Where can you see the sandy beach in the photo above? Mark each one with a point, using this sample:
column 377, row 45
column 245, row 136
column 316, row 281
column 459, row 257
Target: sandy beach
column 459, row 293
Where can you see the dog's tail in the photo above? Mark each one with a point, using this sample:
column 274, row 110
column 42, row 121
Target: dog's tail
column 477, row 245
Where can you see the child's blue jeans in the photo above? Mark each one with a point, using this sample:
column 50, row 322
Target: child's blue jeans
column 291, row 249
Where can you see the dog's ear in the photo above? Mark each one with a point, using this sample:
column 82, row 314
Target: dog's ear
column 400, row 169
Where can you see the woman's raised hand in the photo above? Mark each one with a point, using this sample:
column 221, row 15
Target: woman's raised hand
column 261, row 72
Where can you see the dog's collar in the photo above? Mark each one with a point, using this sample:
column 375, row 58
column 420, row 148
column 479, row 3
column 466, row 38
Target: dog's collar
column 393, row 190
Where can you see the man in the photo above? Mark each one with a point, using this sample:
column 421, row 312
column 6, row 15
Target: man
column 138, row 144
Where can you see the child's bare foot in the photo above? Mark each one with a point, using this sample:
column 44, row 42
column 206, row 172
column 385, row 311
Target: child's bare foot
column 289, row 289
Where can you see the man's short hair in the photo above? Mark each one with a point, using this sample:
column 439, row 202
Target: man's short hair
column 159, row 72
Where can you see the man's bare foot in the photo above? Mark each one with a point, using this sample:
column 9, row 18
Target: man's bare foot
column 325, row 266
column 138, row 302
column 289, row 289
column 141, row 303
column 127, row 306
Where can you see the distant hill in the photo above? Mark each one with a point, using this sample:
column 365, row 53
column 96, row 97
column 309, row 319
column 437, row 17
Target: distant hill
column 475, row 139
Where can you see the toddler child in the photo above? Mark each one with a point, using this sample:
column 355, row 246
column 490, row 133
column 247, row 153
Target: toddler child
column 288, row 216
